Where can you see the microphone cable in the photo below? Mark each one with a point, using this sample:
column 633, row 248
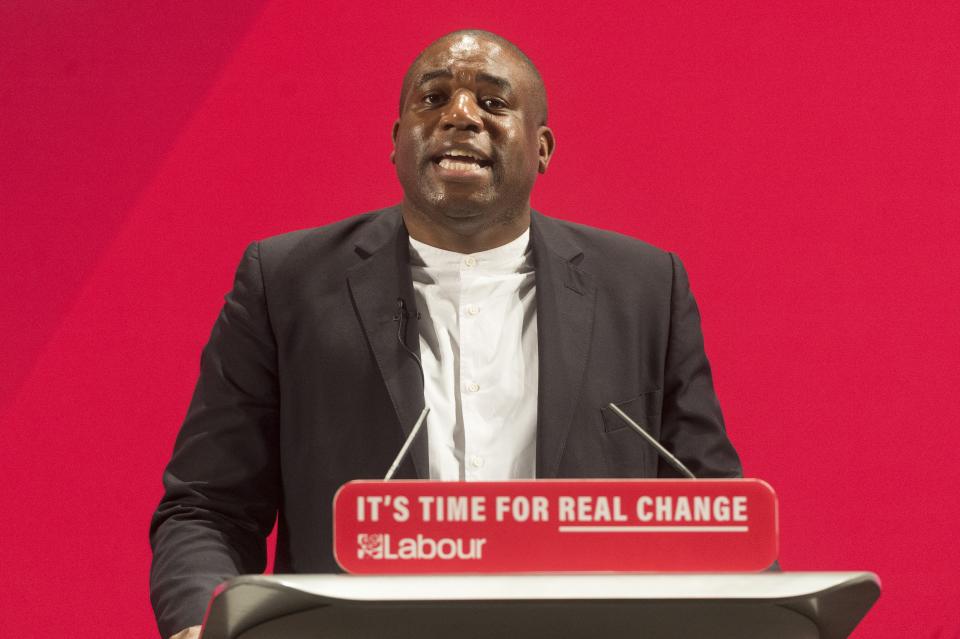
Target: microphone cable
column 401, row 318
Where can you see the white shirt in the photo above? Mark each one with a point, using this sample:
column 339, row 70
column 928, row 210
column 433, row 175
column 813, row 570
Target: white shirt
column 478, row 346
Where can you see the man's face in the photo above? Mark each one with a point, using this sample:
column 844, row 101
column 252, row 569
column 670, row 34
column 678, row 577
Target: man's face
column 470, row 138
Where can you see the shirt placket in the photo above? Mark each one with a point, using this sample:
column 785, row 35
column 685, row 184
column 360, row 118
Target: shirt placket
column 472, row 387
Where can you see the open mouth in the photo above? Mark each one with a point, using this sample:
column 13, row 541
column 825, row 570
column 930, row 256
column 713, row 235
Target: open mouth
column 461, row 161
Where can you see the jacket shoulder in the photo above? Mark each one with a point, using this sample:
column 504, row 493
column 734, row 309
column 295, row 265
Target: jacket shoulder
column 333, row 245
column 333, row 233
column 604, row 249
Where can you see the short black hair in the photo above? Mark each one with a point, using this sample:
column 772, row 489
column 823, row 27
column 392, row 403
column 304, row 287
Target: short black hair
column 487, row 35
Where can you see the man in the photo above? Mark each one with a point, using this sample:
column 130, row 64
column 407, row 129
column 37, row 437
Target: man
column 525, row 327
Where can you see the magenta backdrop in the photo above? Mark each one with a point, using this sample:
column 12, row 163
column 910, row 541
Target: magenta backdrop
column 803, row 159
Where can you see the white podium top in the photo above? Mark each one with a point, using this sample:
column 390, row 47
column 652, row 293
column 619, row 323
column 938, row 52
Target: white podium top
column 787, row 605
column 526, row 587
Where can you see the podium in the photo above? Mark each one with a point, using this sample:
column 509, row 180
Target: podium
column 789, row 605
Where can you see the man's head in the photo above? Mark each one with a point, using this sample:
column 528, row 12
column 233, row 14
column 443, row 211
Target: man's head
column 470, row 140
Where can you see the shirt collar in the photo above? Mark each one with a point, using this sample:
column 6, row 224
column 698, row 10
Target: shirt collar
column 508, row 258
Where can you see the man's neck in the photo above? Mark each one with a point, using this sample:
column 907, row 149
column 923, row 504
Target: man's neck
column 467, row 234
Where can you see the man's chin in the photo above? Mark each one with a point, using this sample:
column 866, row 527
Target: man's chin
column 463, row 208
column 463, row 204
column 463, row 211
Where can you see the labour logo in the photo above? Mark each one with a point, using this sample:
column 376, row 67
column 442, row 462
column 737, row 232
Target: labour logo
column 370, row 546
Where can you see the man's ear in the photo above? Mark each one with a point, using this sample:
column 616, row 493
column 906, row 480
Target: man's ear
column 393, row 135
column 547, row 144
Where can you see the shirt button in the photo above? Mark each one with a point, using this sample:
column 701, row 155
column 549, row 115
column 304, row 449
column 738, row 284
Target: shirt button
column 473, row 387
column 473, row 309
column 476, row 461
column 470, row 261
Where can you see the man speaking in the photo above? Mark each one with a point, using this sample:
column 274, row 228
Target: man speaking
column 515, row 329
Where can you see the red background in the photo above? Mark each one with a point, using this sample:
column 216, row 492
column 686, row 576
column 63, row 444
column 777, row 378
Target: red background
column 803, row 159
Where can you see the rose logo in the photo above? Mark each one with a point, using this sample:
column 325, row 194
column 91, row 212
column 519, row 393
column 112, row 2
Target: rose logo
column 370, row 546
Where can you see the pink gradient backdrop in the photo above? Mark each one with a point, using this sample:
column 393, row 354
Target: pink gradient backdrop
column 803, row 158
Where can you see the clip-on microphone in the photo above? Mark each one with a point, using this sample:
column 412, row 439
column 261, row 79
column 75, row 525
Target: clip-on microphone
column 400, row 318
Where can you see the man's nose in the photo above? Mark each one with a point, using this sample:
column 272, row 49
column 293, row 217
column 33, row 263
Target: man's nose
column 462, row 112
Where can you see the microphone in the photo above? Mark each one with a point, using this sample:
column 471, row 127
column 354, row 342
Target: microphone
column 663, row 452
column 406, row 445
column 400, row 318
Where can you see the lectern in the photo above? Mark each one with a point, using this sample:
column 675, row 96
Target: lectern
column 549, row 559
column 800, row 605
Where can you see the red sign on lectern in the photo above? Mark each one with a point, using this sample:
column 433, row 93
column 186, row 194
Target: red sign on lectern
column 641, row 525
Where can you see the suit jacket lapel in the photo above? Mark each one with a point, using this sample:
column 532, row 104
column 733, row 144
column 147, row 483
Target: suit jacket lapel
column 566, row 298
column 376, row 284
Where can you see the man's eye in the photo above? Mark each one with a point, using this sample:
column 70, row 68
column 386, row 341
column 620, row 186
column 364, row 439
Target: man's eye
column 432, row 99
column 493, row 103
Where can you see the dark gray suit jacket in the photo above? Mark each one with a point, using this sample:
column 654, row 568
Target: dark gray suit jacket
column 304, row 386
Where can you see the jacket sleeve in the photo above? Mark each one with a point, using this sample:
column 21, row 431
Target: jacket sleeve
column 692, row 424
column 222, row 485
